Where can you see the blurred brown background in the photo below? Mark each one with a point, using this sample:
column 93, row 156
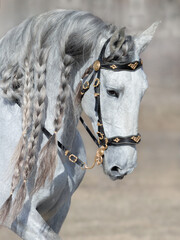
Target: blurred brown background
column 146, row 204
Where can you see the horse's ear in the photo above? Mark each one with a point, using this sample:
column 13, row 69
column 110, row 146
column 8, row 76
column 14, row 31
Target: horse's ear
column 142, row 40
column 117, row 40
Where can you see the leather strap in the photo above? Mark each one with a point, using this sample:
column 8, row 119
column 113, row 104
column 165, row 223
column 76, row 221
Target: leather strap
column 122, row 67
column 73, row 158
column 128, row 140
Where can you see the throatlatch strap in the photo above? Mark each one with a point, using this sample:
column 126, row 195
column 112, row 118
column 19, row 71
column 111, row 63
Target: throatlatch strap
column 89, row 131
column 73, row 158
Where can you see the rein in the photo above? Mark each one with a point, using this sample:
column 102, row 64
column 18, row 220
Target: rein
column 102, row 142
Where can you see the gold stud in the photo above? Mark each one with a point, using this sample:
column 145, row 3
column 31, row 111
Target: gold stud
column 136, row 139
column 117, row 140
column 133, row 65
column 96, row 94
column 96, row 65
column 113, row 66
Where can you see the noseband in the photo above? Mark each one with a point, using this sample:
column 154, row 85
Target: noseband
column 95, row 69
column 102, row 142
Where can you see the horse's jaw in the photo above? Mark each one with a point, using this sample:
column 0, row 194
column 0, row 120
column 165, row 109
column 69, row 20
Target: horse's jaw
column 119, row 161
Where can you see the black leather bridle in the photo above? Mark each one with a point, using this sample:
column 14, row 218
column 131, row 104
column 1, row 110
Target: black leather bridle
column 102, row 142
column 96, row 69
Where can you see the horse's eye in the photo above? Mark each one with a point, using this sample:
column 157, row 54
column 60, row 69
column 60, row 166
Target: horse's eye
column 113, row 93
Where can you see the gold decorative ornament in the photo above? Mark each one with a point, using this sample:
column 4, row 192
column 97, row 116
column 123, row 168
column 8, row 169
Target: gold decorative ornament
column 100, row 153
column 136, row 139
column 113, row 66
column 96, row 65
column 133, row 65
column 100, row 135
column 141, row 61
column 106, row 143
column 99, row 156
column 96, row 82
column 117, row 140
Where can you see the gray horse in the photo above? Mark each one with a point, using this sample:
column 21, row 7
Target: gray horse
column 46, row 68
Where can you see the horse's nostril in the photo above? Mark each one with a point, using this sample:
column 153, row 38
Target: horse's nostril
column 117, row 173
column 115, row 169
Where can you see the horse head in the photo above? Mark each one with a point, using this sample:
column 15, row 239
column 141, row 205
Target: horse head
column 113, row 109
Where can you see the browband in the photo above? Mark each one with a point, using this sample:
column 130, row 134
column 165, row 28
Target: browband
column 122, row 67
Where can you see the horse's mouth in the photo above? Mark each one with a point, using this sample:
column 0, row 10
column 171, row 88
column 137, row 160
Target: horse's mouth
column 114, row 177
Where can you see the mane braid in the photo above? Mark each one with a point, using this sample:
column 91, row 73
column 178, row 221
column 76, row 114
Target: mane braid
column 48, row 155
column 6, row 84
column 39, row 109
column 20, row 150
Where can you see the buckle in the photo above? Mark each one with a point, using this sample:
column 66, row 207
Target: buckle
column 86, row 85
column 73, row 158
column 96, row 82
